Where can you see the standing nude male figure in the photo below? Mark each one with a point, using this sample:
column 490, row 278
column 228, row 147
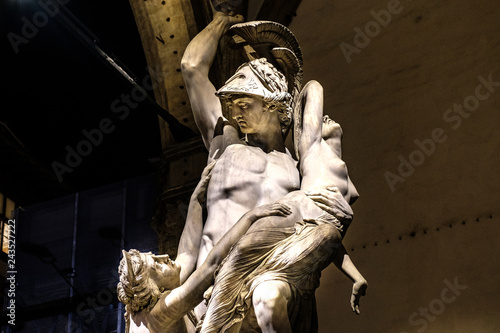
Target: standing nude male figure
column 246, row 175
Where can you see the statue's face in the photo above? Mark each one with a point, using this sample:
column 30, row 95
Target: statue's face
column 330, row 129
column 163, row 271
column 250, row 113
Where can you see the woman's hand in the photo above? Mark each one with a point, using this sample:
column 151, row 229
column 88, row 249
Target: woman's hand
column 333, row 202
column 358, row 290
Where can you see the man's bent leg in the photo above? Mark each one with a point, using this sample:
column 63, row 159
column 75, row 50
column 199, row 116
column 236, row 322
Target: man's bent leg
column 270, row 301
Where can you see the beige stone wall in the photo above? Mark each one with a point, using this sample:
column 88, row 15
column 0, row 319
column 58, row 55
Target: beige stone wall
column 396, row 88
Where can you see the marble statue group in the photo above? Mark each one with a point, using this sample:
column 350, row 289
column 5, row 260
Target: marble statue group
column 261, row 226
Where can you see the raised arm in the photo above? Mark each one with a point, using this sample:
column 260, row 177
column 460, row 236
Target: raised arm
column 187, row 296
column 312, row 117
column 195, row 65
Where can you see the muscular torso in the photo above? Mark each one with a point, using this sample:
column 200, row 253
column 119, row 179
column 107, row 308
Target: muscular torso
column 244, row 177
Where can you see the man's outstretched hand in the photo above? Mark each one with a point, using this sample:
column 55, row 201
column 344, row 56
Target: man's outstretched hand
column 201, row 189
column 273, row 209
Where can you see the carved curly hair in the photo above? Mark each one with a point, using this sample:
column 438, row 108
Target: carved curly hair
column 135, row 289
